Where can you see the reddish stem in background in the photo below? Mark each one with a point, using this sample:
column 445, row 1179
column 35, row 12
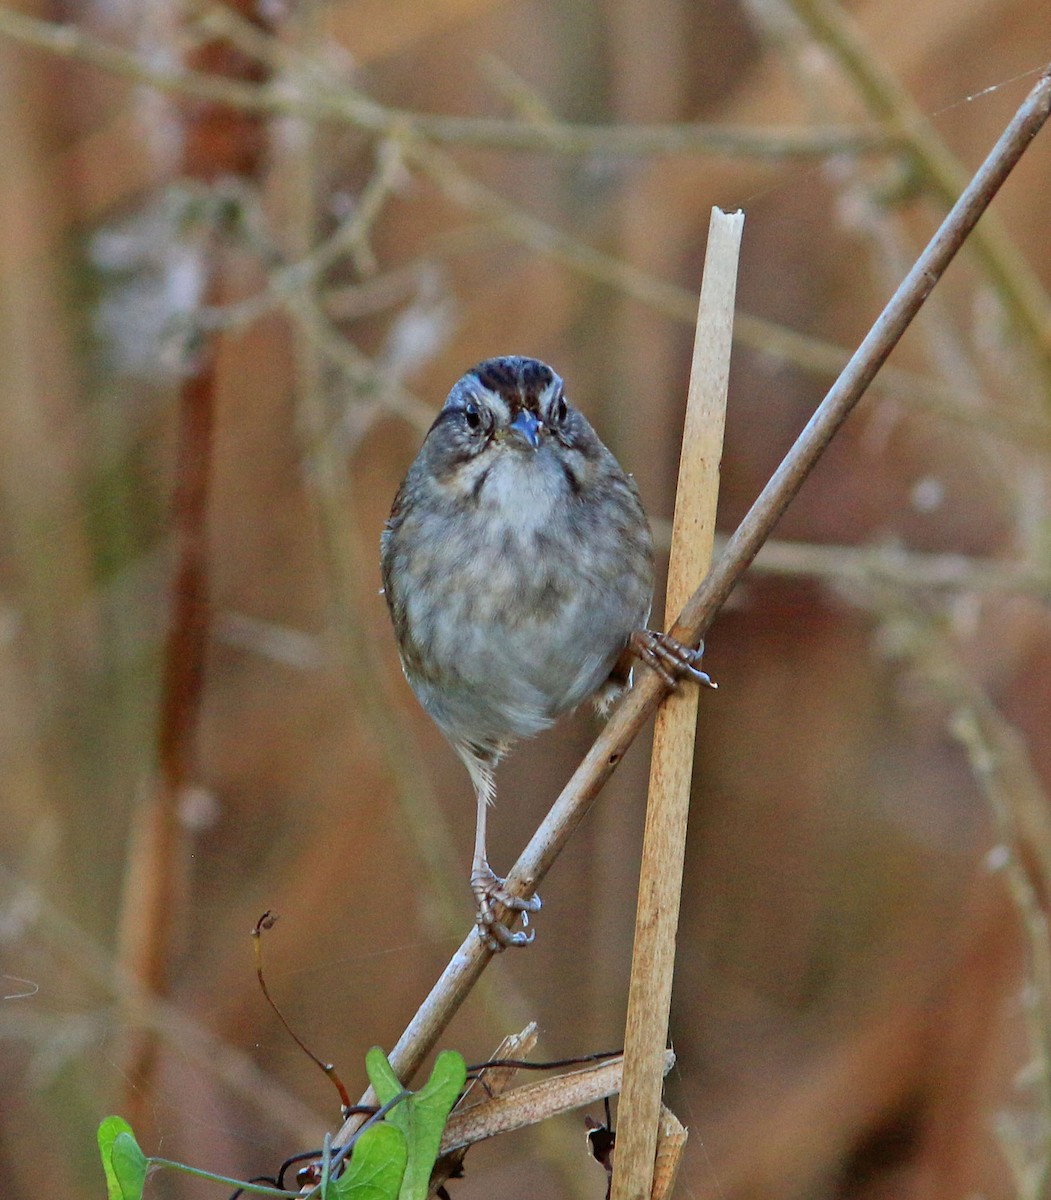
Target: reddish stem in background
column 155, row 886
column 217, row 141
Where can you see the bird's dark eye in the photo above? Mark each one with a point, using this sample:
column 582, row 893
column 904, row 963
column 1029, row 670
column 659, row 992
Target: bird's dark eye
column 472, row 416
column 561, row 410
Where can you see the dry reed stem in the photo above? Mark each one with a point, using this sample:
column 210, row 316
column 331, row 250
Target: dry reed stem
column 472, row 957
column 671, row 767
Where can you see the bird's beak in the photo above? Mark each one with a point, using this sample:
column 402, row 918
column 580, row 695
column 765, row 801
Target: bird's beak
column 527, row 427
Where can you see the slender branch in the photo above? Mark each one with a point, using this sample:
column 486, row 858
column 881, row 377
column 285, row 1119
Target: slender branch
column 728, row 141
column 345, row 106
column 470, row 960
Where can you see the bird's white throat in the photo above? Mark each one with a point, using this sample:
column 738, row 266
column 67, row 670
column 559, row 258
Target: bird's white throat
column 526, row 486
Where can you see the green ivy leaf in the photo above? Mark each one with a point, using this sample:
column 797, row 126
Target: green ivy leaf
column 381, row 1076
column 422, row 1115
column 123, row 1161
column 376, row 1167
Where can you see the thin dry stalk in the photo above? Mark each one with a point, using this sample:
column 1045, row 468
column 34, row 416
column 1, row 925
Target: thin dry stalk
column 472, row 957
column 671, row 767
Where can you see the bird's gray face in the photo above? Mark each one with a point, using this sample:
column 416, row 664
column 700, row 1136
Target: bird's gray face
column 507, row 427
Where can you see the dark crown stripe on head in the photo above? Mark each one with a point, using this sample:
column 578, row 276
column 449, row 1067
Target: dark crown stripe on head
column 522, row 379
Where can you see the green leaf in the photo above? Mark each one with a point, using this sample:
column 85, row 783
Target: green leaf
column 376, row 1167
column 422, row 1115
column 381, row 1075
column 122, row 1160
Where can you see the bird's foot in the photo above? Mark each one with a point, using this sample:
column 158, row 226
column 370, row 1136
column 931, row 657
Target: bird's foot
column 670, row 659
column 490, row 892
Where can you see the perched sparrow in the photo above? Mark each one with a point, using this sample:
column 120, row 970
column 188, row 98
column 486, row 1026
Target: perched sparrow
column 518, row 567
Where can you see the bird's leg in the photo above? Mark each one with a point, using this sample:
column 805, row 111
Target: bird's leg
column 670, row 659
column 489, row 890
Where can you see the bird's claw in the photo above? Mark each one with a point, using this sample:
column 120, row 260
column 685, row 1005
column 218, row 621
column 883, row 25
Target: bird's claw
column 490, row 892
column 669, row 658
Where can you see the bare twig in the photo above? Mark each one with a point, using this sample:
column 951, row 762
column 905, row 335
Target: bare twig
column 631, row 714
column 289, row 282
column 671, row 768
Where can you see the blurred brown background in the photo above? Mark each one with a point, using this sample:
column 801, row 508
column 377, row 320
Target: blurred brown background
column 862, row 994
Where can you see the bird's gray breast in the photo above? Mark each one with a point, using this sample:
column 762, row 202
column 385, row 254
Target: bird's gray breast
column 526, row 608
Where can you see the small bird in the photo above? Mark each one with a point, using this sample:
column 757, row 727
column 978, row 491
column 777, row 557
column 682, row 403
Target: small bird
column 518, row 568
